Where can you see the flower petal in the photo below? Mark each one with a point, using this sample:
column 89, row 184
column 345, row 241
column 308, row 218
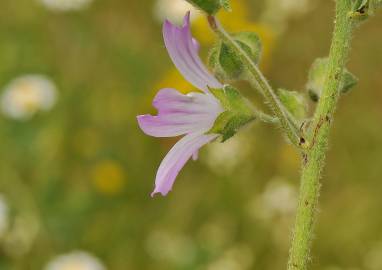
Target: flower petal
column 177, row 158
column 183, row 50
column 169, row 100
column 179, row 114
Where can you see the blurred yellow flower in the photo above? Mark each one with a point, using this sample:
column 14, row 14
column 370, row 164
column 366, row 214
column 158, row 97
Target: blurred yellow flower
column 108, row 177
column 175, row 79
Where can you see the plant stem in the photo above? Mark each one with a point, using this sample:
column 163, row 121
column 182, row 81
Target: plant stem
column 264, row 117
column 313, row 158
column 257, row 79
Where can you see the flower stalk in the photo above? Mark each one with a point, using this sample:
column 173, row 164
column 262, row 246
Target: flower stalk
column 257, row 79
column 313, row 158
column 314, row 143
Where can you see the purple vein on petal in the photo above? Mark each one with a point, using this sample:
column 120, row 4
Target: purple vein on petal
column 180, row 59
column 183, row 51
column 179, row 114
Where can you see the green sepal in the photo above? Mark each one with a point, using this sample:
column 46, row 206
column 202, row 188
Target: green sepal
column 348, row 81
column 224, row 63
column 223, row 60
column 210, row 6
column 317, row 76
column 237, row 112
column 295, row 103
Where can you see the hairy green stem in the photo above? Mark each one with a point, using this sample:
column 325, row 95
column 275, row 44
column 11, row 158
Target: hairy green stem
column 257, row 79
column 313, row 158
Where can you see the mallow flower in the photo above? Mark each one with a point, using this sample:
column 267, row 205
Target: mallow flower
column 192, row 115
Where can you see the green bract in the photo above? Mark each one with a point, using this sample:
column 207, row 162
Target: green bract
column 317, row 76
column 294, row 102
column 237, row 112
column 225, row 63
column 211, row 6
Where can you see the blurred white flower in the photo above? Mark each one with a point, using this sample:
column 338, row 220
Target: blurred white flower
column 4, row 216
column 26, row 95
column 174, row 10
column 279, row 196
column 76, row 260
column 223, row 158
column 66, row 5
column 278, row 199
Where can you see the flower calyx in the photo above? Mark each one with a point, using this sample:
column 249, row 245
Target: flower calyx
column 238, row 112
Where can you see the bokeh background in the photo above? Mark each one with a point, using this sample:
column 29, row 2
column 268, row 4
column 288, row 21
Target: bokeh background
column 76, row 172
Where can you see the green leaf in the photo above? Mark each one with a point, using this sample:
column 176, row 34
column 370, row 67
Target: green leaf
column 250, row 42
column 237, row 112
column 229, row 62
column 209, row 6
column 224, row 62
column 317, row 76
column 226, row 5
column 234, row 124
column 348, row 82
column 294, row 102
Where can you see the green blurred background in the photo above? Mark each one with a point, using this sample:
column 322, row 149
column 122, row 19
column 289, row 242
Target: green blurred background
column 77, row 177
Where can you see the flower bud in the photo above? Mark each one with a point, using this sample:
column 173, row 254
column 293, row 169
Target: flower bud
column 317, row 76
column 224, row 62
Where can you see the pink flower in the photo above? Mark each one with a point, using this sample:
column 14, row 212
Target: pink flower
column 191, row 115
